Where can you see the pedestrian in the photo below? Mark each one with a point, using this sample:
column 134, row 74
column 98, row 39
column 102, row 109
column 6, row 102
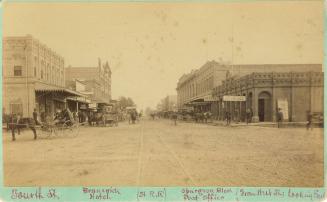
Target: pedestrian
column 227, row 118
column 133, row 116
column 80, row 118
column 248, row 116
column 43, row 116
column 35, row 117
column 237, row 116
column 75, row 116
column 280, row 117
column 309, row 120
column 174, row 117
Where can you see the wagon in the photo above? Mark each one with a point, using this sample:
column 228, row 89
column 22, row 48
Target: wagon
column 110, row 119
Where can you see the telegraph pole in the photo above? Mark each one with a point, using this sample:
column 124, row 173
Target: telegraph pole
column 26, row 80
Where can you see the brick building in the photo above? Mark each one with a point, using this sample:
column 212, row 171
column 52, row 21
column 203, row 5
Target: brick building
column 97, row 81
column 33, row 77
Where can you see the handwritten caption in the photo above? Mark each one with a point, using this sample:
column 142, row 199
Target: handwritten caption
column 101, row 193
column 221, row 194
column 37, row 194
column 152, row 195
column 171, row 194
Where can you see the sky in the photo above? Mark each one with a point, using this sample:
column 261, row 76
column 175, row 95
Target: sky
column 149, row 46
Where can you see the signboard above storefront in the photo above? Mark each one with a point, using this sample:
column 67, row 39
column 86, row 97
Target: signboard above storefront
column 83, row 106
column 231, row 98
column 92, row 105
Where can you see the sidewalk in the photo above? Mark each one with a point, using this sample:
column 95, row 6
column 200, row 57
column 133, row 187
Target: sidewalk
column 261, row 124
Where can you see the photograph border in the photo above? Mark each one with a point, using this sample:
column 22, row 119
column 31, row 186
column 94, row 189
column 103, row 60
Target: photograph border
column 167, row 193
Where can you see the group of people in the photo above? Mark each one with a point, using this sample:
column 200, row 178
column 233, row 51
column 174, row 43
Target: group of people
column 237, row 118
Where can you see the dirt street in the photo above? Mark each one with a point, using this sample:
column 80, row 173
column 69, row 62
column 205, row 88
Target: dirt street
column 157, row 153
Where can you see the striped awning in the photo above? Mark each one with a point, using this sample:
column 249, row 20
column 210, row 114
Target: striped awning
column 66, row 92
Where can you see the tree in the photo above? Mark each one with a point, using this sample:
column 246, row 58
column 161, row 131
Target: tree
column 148, row 111
column 124, row 102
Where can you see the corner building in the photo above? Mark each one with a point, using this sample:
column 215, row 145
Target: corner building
column 33, row 77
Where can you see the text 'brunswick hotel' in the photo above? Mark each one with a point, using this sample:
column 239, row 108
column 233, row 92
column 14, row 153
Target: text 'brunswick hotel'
column 295, row 88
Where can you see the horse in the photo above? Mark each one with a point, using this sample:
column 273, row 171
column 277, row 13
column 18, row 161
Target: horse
column 17, row 123
column 206, row 116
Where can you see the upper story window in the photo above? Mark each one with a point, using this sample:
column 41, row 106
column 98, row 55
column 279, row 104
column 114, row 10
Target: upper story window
column 18, row 71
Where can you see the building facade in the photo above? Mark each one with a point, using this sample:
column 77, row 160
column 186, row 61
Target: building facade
column 33, row 77
column 195, row 89
column 97, row 80
column 265, row 92
column 74, row 103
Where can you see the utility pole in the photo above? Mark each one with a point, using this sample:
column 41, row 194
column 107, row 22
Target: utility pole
column 232, row 48
column 26, row 80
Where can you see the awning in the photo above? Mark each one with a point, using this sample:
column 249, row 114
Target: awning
column 66, row 92
column 104, row 103
column 80, row 99
column 46, row 88
column 198, row 103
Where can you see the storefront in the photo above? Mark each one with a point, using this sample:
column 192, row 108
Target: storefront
column 295, row 93
column 76, row 104
column 49, row 101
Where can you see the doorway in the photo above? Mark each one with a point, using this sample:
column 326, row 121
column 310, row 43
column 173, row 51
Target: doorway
column 264, row 107
column 261, row 108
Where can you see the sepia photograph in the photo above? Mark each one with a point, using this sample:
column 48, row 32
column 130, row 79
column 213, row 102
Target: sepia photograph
column 160, row 94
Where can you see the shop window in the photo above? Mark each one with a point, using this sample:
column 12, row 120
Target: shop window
column 18, row 71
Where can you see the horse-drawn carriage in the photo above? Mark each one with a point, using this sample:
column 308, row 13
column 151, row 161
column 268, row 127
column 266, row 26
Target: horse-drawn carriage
column 110, row 118
column 63, row 124
column 104, row 116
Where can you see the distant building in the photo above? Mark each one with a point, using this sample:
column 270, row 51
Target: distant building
column 33, row 77
column 97, row 81
column 195, row 88
column 78, row 103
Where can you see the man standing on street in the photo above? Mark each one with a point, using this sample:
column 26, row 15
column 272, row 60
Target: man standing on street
column 228, row 118
column 248, row 116
column 280, row 117
column 309, row 120
column 35, row 115
column 237, row 116
column 174, row 117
